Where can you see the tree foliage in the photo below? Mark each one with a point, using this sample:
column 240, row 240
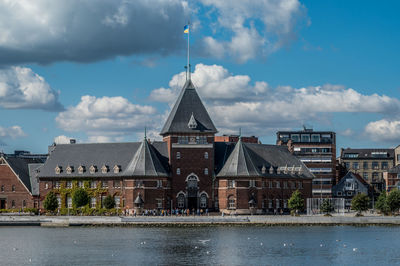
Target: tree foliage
column 360, row 202
column 296, row 202
column 326, row 206
column 109, row 202
column 381, row 203
column 80, row 198
column 393, row 200
column 50, row 202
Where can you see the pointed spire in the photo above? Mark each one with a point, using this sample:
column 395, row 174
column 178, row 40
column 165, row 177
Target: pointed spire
column 145, row 162
column 239, row 163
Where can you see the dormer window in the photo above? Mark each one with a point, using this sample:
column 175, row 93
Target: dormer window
column 104, row 169
column 192, row 122
column 263, row 169
column 58, row 170
column 69, row 169
column 81, row 169
column 271, row 170
column 116, row 169
column 92, row 169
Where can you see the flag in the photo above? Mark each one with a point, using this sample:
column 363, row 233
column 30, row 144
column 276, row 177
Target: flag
column 186, row 29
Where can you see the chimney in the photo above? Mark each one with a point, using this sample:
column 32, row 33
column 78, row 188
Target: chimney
column 290, row 146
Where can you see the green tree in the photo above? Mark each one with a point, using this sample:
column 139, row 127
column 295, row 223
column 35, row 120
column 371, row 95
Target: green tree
column 393, row 200
column 50, row 202
column 296, row 202
column 381, row 203
column 109, row 202
column 80, row 198
column 360, row 202
column 326, row 206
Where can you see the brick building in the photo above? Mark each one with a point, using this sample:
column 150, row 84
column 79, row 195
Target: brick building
column 317, row 150
column 369, row 163
column 19, row 187
column 392, row 178
column 188, row 169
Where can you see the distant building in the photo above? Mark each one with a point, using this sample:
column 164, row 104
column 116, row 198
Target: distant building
column 317, row 150
column 349, row 186
column 19, row 186
column 392, row 178
column 235, row 138
column 369, row 163
column 397, row 155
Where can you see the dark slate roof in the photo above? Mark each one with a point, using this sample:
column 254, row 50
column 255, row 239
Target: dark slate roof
column 145, row 162
column 20, row 167
column 239, row 163
column 33, row 176
column 260, row 155
column 188, row 104
column 98, row 154
column 367, row 153
column 352, row 176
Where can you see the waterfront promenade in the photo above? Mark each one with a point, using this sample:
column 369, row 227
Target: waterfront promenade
column 9, row 220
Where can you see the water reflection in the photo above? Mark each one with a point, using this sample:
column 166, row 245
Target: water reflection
column 199, row 245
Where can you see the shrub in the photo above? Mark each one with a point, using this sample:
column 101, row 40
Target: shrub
column 50, row 202
column 360, row 203
column 80, row 198
column 381, row 204
column 393, row 200
column 108, row 202
column 296, row 202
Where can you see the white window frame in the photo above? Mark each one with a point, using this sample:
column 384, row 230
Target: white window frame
column 93, row 202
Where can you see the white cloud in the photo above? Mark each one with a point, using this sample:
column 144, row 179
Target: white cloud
column 62, row 140
column 384, row 130
column 45, row 31
column 12, row 132
column 20, row 87
column 235, row 101
column 257, row 28
column 106, row 118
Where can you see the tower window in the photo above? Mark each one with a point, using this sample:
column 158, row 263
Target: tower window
column 178, row 155
column 206, row 155
column 206, row 171
column 178, row 171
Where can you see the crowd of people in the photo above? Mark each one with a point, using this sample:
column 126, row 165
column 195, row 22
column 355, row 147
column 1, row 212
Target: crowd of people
column 168, row 212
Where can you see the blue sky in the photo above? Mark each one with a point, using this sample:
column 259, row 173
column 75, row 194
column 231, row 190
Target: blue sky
column 104, row 70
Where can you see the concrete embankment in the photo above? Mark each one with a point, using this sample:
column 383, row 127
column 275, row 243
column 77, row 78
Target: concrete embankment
column 62, row 221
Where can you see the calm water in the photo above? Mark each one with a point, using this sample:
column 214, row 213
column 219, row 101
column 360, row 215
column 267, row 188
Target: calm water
column 298, row 245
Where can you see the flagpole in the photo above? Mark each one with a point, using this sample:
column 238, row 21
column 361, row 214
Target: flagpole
column 188, row 53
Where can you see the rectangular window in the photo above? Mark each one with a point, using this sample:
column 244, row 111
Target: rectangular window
column 300, row 185
column 285, row 185
column 117, row 201
column 57, row 185
column 384, row 165
column 270, row 184
column 69, row 202
column 178, row 171
column 270, row 204
column 159, row 203
column 104, row 184
column 117, row 184
column 315, row 138
column 80, row 184
column 365, row 176
column 252, row 183
column 178, row 155
column 326, row 138
column 365, row 165
column 356, row 165
column 295, row 137
column 93, row 184
column 277, row 204
column 92, row 202
column 339, row 193
column 277, row 184
column 139, row 183
column 375, row 165
column 231, row 183
column 305, row 138
column 69, row 184
column 231, row 203
column 58, row 201
column 285, row 204
column 159, row 184
column 284, row 137
column 205, row 171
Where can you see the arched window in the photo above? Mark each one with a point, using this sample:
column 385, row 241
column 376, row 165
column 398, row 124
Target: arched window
column 2, row 188
column 181, row 201
column 203, row 201
column 231, row 203
column 206, row 155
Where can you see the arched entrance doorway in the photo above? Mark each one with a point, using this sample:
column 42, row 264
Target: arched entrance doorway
column 192, row 191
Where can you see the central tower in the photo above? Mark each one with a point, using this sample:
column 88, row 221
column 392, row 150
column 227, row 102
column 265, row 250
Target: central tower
column 189, row 134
